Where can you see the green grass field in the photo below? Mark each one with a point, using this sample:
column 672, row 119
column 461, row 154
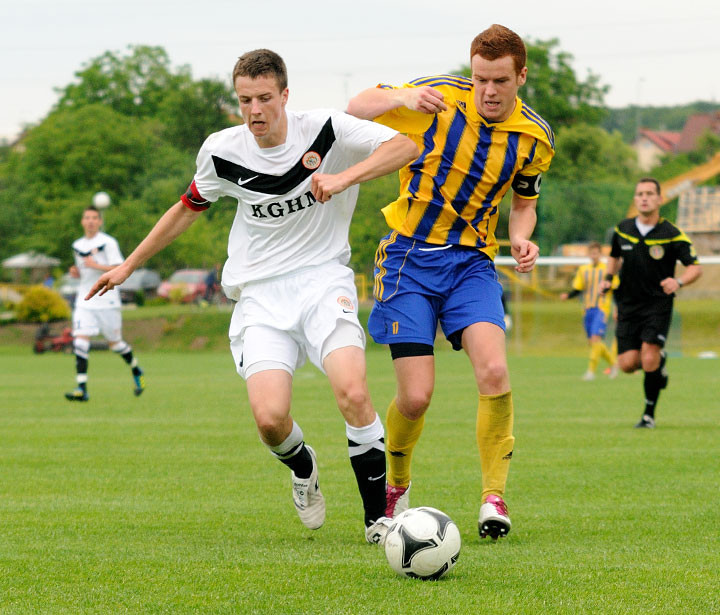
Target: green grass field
column 168, row 503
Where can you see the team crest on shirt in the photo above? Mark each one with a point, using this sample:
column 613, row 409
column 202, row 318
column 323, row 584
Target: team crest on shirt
column 311, row 160
column 346, row 304
column 657, row 252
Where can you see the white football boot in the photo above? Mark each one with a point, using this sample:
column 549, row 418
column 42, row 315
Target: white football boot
column 375, row 533
column 309, row 501
column 494, row 519
column 397, row 500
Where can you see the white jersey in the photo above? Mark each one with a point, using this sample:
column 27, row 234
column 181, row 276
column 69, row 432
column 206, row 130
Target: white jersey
column 279, row 227
column 104, row 251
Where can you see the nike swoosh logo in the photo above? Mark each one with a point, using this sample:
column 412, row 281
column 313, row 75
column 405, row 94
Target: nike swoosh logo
column 434, row 249
column 374, row 478
column 242, row 183
column 347, row 311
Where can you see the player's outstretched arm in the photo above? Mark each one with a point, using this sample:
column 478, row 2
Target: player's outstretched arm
column 389, row 157
column 371, row 103
column 172, row 224
column 521, row 225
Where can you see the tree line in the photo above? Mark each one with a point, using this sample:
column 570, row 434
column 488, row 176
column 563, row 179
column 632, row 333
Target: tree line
column 131, row 124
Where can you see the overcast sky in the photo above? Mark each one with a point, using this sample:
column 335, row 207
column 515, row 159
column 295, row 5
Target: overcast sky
column 649, row 52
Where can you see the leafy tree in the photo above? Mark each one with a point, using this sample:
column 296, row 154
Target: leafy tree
column 589, row 153
column 554, row 90
column 143, row 84
column 65, row 160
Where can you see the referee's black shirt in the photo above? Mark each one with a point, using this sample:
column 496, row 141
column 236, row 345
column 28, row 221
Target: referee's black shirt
column 648, row 260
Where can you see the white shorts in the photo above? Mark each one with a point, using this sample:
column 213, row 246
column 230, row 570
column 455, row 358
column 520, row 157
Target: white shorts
column 88, row 323
column 288, row 319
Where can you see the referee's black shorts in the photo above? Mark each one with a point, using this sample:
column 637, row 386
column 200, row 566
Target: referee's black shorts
column 649, row 324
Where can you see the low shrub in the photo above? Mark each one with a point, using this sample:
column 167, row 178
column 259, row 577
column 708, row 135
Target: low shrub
column 42, row 304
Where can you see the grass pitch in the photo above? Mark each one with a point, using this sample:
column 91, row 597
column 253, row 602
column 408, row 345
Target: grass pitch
column 168, row 503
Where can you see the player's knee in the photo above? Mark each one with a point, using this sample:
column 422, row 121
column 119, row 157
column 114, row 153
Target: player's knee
column 269, row 425
column 413, row 404
column 493, row 376
column 353, row 398
column 81, row 347
column 120, row 346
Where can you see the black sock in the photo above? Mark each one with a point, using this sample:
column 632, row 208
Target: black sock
column 128, row 357
column 653, row 383
column 81, row 367
column 369, row 468
column 298, row 460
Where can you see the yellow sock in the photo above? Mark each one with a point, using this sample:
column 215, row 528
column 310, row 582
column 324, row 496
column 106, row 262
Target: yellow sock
column 401, row 437
column 594, row 356
column 613, row 352
column 605, row 353
column 495, row 441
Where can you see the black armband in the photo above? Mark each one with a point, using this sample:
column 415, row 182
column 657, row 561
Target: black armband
column 527, row 186
column 573, row 293
column 609, row 277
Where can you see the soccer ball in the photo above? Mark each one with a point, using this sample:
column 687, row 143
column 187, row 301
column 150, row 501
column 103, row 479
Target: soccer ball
column 101, row 200
column 422, row 543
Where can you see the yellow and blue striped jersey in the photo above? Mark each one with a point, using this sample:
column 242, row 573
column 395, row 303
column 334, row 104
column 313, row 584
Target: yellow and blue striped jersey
column 587, row 281
column 450, row 194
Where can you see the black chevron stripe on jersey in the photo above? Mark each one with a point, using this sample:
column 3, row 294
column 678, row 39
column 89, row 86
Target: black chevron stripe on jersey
column 84, row 254
column 276, row 184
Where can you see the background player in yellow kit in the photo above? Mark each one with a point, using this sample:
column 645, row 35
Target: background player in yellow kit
column 587, row 281
column 477, row 140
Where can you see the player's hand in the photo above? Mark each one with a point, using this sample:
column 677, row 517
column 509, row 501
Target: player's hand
column 109, row 280
column 564, row 296
column 90, row 262
column 74, row 271
column 670, row 286
column 424, row 99
column 324, row 186
column 525, row 252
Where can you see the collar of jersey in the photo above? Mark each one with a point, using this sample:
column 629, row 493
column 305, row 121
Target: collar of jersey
column 475, row 115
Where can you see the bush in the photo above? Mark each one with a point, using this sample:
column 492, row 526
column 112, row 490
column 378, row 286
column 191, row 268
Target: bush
column 156, row 301
column 178, row 293
column 41, row 304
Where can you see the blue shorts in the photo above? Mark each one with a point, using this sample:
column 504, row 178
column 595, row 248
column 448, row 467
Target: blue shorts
column 595, row 322
column 418, row 284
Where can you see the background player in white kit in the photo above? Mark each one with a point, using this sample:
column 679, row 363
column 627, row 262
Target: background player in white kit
column 95, row 253
column 287, row 266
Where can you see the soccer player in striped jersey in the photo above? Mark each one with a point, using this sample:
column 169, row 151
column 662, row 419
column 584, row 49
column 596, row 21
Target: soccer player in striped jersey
column 477, row 140
column 598, row 304
column 295, row 177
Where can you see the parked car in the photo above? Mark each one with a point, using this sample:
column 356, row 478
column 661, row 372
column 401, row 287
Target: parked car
column 143, row 282
column 186, row 285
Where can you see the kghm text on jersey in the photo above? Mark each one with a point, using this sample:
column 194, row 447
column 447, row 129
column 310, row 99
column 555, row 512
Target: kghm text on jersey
column 278, row 210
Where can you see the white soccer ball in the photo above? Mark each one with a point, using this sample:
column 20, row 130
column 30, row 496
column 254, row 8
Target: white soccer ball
column 101, row 200
column 422, row 543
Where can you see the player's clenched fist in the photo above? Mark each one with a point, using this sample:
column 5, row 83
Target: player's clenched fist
column 525, row 253
column 324, row 186
column 424, row 99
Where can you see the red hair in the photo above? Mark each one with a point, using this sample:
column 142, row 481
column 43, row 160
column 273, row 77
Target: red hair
column 497, row 42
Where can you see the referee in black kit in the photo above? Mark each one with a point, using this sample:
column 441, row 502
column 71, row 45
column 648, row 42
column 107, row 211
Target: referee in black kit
column 644, row 251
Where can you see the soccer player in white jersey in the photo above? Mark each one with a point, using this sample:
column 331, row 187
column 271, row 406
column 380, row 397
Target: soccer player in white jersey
column 96, row 253
column 295, row 178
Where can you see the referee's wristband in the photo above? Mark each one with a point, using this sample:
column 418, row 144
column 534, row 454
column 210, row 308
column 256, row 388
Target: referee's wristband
column 609, row 277
column 679, row 281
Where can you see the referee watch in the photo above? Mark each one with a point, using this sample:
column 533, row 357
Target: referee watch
column 680, row 282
